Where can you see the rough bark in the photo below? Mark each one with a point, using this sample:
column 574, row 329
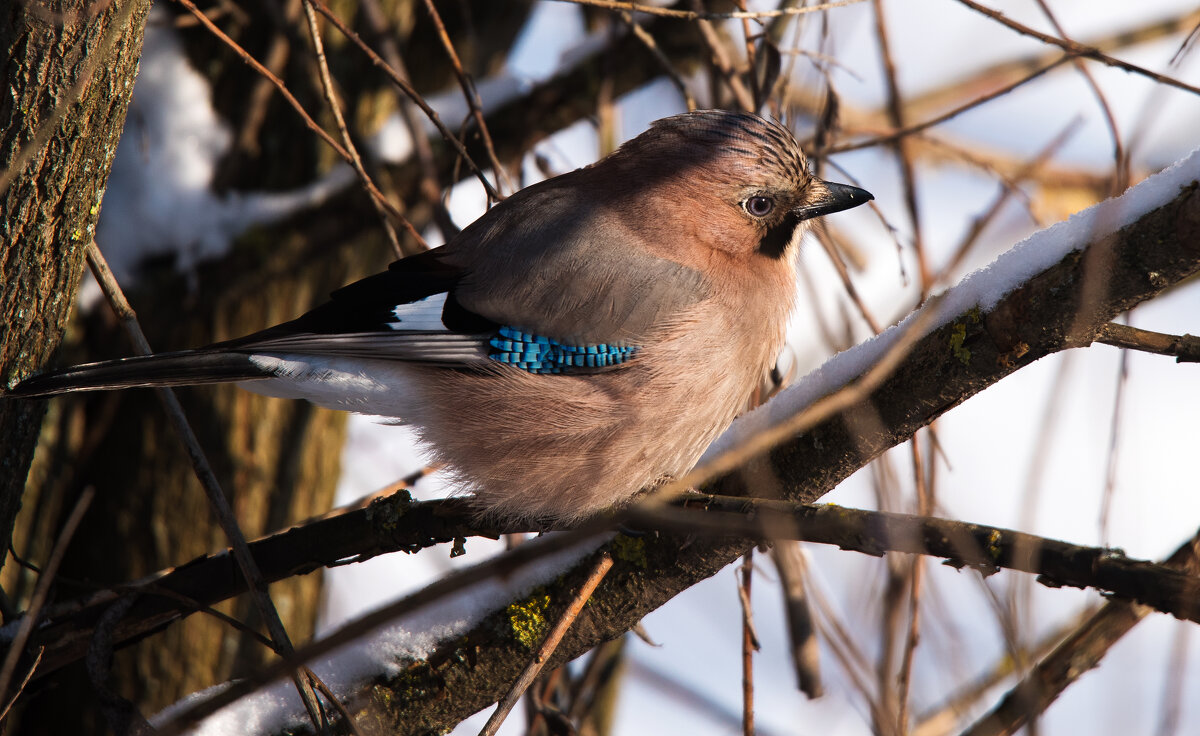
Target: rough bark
column 69, row 74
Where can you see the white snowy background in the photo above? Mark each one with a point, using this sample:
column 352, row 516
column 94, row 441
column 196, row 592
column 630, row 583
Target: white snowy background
column 158, row 199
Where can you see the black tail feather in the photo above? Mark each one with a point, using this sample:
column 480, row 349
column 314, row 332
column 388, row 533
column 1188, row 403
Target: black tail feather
column 183, row 368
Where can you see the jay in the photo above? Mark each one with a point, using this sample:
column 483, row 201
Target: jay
column 585, row 338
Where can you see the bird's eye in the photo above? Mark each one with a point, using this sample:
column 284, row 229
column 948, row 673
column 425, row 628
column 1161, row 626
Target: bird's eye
column 759, row 206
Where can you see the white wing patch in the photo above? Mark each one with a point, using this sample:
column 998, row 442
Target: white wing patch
column 424, row 315
column 381, row 388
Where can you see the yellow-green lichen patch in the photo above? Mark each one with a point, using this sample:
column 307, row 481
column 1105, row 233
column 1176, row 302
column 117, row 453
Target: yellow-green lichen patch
column 630, row 549
column 527, row 618
column 382, row 694
column 958, row 336
column 994, row 545
column 384, row 513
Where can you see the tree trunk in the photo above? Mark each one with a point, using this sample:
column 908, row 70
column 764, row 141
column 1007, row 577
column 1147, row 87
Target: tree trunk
column 69, row 77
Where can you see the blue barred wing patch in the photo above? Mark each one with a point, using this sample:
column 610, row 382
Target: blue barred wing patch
column 539, row 354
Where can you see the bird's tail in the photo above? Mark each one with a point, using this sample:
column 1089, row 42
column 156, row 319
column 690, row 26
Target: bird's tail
column 184, row 368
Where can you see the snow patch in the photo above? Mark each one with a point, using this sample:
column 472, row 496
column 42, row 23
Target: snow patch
column 413, row 636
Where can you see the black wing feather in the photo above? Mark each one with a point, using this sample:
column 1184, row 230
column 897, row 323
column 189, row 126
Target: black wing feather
column 359, row 320
column 183, row 368
column 366, row 305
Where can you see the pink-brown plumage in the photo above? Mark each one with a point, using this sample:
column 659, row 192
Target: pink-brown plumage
column 680, row 246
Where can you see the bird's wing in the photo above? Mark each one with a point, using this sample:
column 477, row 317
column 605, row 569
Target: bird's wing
column 546, row 282
column 400, row 314
column 556, row 260
column 406, row 313
column 549, row 283
column 414, row 332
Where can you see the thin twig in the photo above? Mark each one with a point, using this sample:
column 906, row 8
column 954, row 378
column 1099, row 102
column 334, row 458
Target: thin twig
column 895, row 113
column 413, row 95
column 217, row 500
column 1120, row 162
column 267, row 74
column 963, row 699
column 839, row 265
column 700, row 15
column 756, row 92
column 897, row 576
column 1119, row 38
column 670, row 689
column 1015, row 609
column 923, row 482
column 1176, row 675
column 601, row 673
column 502, row 565
column 1185, row 348
column 788, row 557
column 332, row 699
column 335, row 107
column 430, row 189
column 1114, row 445
column 24, row 682
column 603, row 565
column 845, row 646
column 258, row 101
column 470, row 94
column 939, row 119
column 1009, row 188
column 225, row 9
column 1077, row 654
column 291, row 99
column 17, row 646
column 723, row 64
column 749, row 643
column 1078, row 49
column 652, row 46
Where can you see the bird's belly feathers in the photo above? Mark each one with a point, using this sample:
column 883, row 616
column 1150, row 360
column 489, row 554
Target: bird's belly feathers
column 593, row 445
column 553, row 447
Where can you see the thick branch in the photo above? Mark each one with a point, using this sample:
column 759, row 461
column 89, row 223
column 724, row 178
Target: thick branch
column 987, row 549
column 396, row 524
column 391, row 524
column 1074, row 656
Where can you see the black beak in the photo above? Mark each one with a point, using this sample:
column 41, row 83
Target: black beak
column 826, row 197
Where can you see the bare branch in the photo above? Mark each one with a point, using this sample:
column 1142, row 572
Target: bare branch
column 1077, row 49
column 1185, row 348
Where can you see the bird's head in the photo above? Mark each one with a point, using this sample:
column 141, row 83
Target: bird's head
column 735, row 182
